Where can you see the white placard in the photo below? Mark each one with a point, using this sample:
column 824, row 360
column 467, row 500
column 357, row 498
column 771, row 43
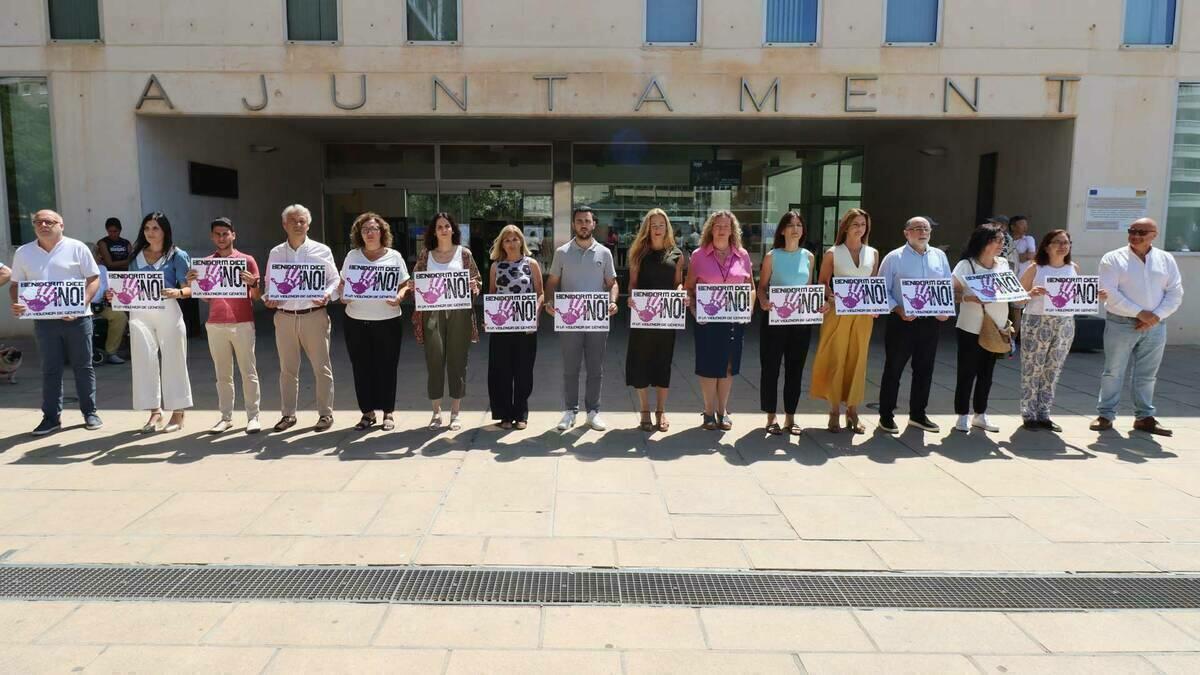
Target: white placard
column 510, row 312
column 53, row 299
column 372, row 282
column 219, row 278
column 295, row 281
column 724, row 303
column 658, row 309
column 1113, row 209
column 442, row 290
column 581, row 312
column 860, row 295
column 1068, row 296
column 927, row 297
column 136, row 290
column 996, row 287
column 796, row 305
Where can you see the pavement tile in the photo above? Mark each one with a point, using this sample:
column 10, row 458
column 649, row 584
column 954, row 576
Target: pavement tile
column 1059, row 664
column 404, row 476
column 611, row 515
column 1175, row 529
column 497, row 524
column 240, row 550
column 680, row 554
column 46, row 659
column 731, row 527
column 84, row 512
column 458, row 627
column 834, row 517
column 812, row 555
column 783, row 629
column 1078, row 519
column 944, row 497
column 350, row 551
column 204, row 513
column 705, row 464
column 100, row 549
column 405, row 513
column 314, row 513
column 436, row 550
column 1168, row 557
column 361, row 660
column 530, row 493
column 791, row 478
column 605, row 476
column 942, row 555
column 941, row 632
column 715, row 495
column 176, row 659
column 519, row 662
column 1176, row 664
column 621, row 628
column 21, row 622
column 1126, row 631
column 1187, row 619
column 1008, row 479
column 1069, row 557
column 708, row 663
column 1004, row 530
column 137, row 623
column 298, row 475
column 543, row 552
column 1142, row 498
column 298, row 624
column 887, row 664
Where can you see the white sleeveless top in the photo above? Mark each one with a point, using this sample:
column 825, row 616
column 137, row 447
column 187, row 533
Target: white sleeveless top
column 843, row 262
column 1035, row 306
column 455, row 262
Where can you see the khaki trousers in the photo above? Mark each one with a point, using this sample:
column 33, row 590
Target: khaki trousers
column 226, row 341
column 117, row 321
column 310, row 333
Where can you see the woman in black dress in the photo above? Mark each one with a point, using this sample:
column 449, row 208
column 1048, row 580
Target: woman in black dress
column 655, row 263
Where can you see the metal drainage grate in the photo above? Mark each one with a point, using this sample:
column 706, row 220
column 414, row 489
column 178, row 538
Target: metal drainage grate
column 451, row 585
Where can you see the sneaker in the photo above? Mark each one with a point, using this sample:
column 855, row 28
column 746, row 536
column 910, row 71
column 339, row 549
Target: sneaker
column 567, row 421
column 888, row 424
column 46, row 427
column 1032, row 425
column 113, row 359
column 1048, row 424
column 963, row 424
column 594, row 421
column 981, row 421
column 221, row 427
column 924, row 423
column 253, row 426
column 92, row 422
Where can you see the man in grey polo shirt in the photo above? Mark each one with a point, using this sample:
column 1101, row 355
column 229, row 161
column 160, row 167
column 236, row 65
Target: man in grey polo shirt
column 582, row 265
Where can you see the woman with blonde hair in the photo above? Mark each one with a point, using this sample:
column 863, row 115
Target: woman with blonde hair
column 719, row 260
column 373, row 327
column 655, row 263
column 511, row 355
column 840, row 367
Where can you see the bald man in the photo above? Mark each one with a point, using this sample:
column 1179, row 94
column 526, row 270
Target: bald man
column 54, row 257
column 1144, row 288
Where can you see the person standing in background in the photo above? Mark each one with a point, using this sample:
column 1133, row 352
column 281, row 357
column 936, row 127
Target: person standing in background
column 113, row 251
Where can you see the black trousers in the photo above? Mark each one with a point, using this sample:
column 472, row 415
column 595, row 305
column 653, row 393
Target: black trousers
column 975, row 366
column 374, row 348
column 788, row 344
column 510, row 374
column 904, row 340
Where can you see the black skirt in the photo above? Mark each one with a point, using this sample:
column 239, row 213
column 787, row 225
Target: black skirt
column 648, row 358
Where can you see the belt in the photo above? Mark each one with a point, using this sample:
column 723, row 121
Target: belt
column 298, row 312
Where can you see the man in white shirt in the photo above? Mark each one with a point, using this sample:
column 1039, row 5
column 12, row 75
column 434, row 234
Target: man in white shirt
column 303, row 324
column 53, row 257
column 1144, row 288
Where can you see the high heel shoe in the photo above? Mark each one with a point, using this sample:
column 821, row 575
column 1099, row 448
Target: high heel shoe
column 152, row 425
column 176, row 424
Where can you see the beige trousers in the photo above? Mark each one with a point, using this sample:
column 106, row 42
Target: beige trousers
column 116, row 328
column 310, row 333
column 226, row 341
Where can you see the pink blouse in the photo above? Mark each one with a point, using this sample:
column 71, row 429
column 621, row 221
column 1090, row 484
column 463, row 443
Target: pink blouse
column 709, row 270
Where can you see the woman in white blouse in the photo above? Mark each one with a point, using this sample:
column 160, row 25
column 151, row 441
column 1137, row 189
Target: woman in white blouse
column 976, row 364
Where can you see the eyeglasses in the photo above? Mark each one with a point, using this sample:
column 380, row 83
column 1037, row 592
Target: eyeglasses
column 1138, row 232
column 372, row 228
column 922, row 229
column 46, row 221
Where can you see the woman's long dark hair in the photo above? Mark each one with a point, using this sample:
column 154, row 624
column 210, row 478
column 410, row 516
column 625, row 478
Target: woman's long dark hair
column 980, row 238
column 1043, row 251
column 168, row 242
column 780, row 240
column 431, row 231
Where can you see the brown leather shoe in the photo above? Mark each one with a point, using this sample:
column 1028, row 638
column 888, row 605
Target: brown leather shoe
column 1101, row 424
column 1151, row 426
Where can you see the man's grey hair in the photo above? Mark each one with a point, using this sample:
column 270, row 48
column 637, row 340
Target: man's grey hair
column 297, row 208
column 924, row 219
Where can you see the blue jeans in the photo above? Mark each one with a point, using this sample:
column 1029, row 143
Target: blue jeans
column 1125, row 347
column 63, row 342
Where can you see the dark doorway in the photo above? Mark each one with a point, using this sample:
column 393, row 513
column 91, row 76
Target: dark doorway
column 985, row 195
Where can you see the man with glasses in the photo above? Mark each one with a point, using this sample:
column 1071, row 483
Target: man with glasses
column 53, row 257
column 1144, row 288
column 910, row 337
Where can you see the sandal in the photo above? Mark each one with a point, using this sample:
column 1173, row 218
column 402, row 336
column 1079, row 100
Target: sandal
column 388, row 422
column 520, row 424
column 435, row 422
column 790, row 426
column 773, row 429
column 153, row 424
column 854, row 426
column 726, row 422
column 286, row 422
column 661, row 420
column 646, row 425
column 365, row 423
column 710, row 423
column 835, row 423
column 455, row 425
column 504, row 424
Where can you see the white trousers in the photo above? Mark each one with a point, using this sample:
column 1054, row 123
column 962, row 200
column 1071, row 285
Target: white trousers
column 155, row 333
column 226, row 341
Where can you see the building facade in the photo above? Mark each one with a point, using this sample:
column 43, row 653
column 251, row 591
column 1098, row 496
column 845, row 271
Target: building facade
column 1079, row 114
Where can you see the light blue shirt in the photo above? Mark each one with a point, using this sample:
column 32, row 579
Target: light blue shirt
column 906, row 263
column 174, row 267
column 790, row 269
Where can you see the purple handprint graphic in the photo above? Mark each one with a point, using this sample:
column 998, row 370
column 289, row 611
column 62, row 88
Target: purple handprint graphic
column 853, row 295
column 716, row 302
column 574, row 311
column 791, row 304
column 365, row 280
column 922, row 297
column 210, row 278
column 436, row 287
column 291, row 279
column 1063, row 297
column 127, row 295
column 500, row 318
column 42, row 297
column 652, row 308
column 987, row 287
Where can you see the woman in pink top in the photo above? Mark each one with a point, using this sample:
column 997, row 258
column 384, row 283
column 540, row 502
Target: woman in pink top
column 719, row 260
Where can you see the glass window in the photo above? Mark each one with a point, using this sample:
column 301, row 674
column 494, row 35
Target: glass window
column 1183, row 203
column 378, row 160
column 74, row 19
column 28, row 153
column 912, row 21
column 486, row 162
column 672, row 21
column 433, row 20
column 312, row 20
column 1150, row 22
column 792, row 21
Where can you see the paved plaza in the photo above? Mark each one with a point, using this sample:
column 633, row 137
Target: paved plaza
column 1012, row 502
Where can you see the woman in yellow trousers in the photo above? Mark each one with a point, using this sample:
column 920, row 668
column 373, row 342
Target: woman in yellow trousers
column 840, row 368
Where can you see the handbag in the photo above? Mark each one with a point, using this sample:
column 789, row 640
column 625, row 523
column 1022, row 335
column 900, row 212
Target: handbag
column 991, row 337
